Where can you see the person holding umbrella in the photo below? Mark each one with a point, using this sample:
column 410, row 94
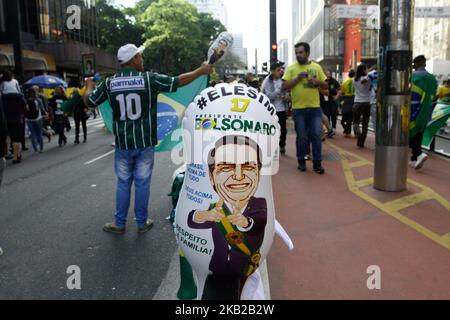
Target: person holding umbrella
column 46, row 81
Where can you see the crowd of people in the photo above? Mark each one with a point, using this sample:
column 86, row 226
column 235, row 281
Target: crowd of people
column 29, row 112
column 302, row 90
column 315, row 98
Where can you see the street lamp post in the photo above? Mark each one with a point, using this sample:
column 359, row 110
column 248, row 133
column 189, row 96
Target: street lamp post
column 394, row 95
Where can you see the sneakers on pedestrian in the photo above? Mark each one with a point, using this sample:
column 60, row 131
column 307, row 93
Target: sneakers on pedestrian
column 420, row 161
column 148, row 225
column 282, row 150
column 317, row 166
column 307, row 157
column 412, row 164
column 112, row 228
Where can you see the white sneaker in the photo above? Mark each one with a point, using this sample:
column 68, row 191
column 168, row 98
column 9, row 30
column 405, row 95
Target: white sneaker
column 412, row 164
column 421, row 160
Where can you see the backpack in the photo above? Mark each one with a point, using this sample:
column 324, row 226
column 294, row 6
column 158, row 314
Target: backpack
column 33, row 111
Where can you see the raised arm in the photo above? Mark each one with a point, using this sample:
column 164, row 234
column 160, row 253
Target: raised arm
column 188, row 77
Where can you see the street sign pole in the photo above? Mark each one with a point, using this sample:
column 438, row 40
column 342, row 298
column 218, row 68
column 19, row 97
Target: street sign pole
column 394, row 95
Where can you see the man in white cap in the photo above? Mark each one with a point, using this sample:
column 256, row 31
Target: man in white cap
column 132, row 93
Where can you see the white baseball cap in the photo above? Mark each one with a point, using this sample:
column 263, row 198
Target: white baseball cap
column 127, row 52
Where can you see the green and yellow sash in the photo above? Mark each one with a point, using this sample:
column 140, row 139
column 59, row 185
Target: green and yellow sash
column 237, row 240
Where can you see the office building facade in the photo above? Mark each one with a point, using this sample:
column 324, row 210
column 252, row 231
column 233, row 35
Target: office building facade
column 215, row 7
column 48, row 44
column 337, row 44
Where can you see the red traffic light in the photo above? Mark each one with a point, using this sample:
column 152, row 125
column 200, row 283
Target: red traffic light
column 274, row 47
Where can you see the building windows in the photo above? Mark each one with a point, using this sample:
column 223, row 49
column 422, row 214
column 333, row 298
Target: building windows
column 369, row 43
column 46, row 20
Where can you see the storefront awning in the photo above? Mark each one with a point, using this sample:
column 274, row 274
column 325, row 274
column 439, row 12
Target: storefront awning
column 32, row 60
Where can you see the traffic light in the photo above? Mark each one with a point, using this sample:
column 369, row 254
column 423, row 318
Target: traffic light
column 264, row 66
column 274, row 52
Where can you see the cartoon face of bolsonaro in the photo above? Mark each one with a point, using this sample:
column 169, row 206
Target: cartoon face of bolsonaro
column 234, row 166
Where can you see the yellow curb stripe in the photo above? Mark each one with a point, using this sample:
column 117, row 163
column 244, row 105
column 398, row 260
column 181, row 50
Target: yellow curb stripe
column 364, row 183
column 392, row 208
column 446, row 237
column 358, row 164
column 408, row 201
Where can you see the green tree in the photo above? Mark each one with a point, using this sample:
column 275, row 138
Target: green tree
column 173, row 36
column 177, row 36
column 114, row 28
column 211, row 28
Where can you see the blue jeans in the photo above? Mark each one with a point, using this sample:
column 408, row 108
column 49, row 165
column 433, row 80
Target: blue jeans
column 132, row 165
column 35, row 128
column 308, row 124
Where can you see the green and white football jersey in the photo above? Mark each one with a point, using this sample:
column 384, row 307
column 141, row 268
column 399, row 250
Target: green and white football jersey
column 133, row 99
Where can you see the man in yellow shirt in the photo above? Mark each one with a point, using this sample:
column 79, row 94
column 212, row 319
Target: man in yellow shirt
column 304, row 78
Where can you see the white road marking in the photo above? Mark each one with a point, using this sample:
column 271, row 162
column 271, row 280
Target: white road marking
column 98, row 158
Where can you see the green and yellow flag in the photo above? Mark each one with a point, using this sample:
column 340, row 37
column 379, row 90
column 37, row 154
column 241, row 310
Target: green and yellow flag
column 423, row 89
column 441, row 114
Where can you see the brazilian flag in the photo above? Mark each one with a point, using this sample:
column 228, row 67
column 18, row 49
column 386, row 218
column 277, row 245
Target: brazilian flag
column 171, row 107
column 441, row 114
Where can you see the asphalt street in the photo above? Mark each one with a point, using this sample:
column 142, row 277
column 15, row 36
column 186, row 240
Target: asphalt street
column 52, row 209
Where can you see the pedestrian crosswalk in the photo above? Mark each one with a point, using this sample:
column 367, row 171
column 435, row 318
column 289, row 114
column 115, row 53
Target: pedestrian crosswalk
column 96, row 123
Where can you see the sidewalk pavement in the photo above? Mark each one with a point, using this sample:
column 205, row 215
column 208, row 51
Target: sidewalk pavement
column 341, row 227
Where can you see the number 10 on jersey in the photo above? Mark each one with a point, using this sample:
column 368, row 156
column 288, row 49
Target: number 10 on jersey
column 130, row 106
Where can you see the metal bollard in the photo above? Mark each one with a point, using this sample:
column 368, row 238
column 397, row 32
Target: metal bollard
column 394, row 95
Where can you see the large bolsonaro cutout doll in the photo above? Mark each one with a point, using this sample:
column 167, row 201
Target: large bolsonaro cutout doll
column 225, row 216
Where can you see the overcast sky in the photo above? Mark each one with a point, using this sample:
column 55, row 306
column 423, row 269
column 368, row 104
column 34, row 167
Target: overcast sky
column 251, row 18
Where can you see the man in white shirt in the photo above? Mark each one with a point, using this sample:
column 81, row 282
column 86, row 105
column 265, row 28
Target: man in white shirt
column 272, row 88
